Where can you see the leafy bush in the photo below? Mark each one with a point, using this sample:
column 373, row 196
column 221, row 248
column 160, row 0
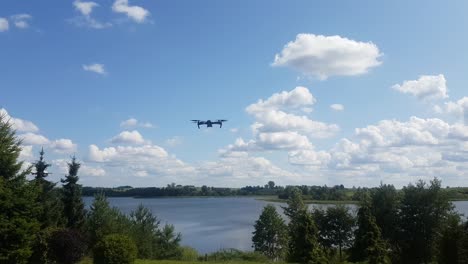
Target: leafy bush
column 235, row 254
column 188, row 254
column 115, row 249
column 66, row 246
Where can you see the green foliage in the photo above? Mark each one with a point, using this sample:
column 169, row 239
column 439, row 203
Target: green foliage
column 303, row 246
column 49, row 198
column 424, row 209
column 385, row 205
column 115, row 249
column 73, row 206
column 229, row 255
column 449, row 244
column 270, row 236
column 168, row 243
column 145, row 232
column 103, row 220
column 368, row 243
column 18, row 208
column 335, row 227
column 66, row 246
column 188, row 254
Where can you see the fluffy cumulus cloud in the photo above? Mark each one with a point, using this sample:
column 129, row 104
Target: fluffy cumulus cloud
column 324, row 56
column 63, row 145
column 132, row 122
column 33, row 139
column 96, row 68
column 128, row 137
column 337, row 107
column 21, row 20
column 4, row 24
column 85, row 19
column 136, row 13
column 393, row 151
column 277, row 114
column 426, row 87
column 18, row 124
column 457, row 109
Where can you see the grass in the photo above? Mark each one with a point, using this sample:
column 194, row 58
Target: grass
column 147, row 261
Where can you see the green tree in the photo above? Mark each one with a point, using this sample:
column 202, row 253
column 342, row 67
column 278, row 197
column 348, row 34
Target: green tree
column 169, row 243
column 271, row 184
column 385, row 205
column 368, row 243
column 304, row 246
column 71, row 197
column 335, row 227
column 115, row 249
column 103, row 220
column 463, row 245
column 424, row 209
column 18, row 208
column 145, row 232
column 450, row 241
column 49, row 198
column 270, row 235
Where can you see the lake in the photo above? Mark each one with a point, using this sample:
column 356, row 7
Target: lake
column 209, row 224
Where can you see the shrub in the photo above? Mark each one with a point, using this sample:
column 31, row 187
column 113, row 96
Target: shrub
column 66, row 246
column 188, row 254
column 115, row 249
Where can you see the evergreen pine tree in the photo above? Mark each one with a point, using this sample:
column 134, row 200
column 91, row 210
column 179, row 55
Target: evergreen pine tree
column 303, row 246
column 18, row 210
column 49, row 198
column 71, row 197
column 368, row 242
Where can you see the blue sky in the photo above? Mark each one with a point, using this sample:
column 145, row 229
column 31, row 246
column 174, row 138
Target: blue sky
column 116, row 82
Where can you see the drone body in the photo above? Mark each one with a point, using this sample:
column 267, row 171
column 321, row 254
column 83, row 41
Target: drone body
column 209, row 123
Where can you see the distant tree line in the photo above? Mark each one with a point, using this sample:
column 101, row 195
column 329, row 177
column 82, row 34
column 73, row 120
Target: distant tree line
column 415, row 225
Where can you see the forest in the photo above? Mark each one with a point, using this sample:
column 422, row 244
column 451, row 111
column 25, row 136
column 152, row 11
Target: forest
column 45, row 222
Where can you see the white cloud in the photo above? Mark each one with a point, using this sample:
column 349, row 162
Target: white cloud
column 271, row 114
column 86, row 170
column 128, row 137
column 85, row 19
column 26, row 153
column 325, row 56
column 426, row 87
column 174, row 141
column 33, row 139
column 85, row 8
column 18, row 124
column 4, row 24
column 296, row 98
column 63, row 145
column 96, row 67
column 337, row 107
column 132, row 122
column 136, row 13
column 21, row 20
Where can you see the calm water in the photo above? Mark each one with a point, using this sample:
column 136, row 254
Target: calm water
column 209, row 224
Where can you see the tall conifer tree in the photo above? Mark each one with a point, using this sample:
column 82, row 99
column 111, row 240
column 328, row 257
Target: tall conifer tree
column 73, row 206
column 18, row 210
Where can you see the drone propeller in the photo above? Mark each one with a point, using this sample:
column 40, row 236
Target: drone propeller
column 195, row 121
column 222, row 120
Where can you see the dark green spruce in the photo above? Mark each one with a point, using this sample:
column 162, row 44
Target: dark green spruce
column 73, row 206
column 18, row 208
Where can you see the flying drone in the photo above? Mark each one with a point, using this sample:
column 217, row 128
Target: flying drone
column 209, row 123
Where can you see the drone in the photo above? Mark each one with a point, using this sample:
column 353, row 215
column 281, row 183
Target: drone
column 209, row 123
